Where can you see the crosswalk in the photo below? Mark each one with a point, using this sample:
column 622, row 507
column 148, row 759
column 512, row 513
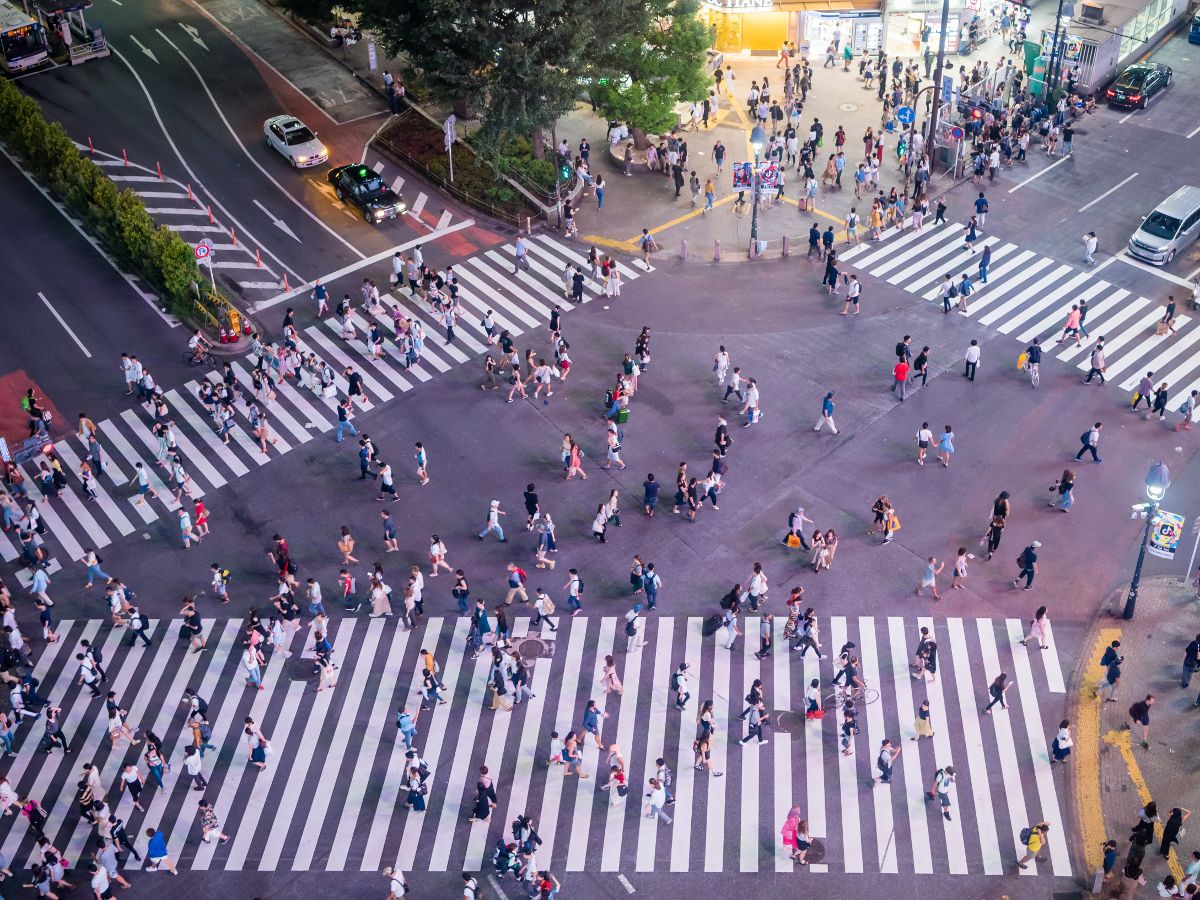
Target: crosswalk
column 391, row 173
column 332, row 796
column 174, row 204
column 1028, row 295
column 520, row 303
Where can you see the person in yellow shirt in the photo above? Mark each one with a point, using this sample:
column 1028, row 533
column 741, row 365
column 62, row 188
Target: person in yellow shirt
column 1033, row 844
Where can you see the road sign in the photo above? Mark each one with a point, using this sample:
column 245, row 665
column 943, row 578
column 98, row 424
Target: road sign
column 957, row 133
column 906, row 115
column 203, row 251
column 449, row 131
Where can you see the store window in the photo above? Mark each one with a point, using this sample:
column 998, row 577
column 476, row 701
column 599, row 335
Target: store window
column 1153, row 18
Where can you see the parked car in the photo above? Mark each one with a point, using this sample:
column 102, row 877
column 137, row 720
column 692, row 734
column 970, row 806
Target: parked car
column 295, row 141
column 1138, row 84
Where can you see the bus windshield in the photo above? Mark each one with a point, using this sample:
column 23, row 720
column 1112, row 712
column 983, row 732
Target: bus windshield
column 22, row 41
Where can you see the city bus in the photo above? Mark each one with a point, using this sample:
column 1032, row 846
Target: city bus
column 22, row 39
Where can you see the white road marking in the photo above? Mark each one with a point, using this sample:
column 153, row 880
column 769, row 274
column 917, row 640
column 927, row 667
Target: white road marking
column 354, row 267
column 1036, row 175
column 304, row 209
column 397, row 183
column 66, row 327
column 1124, row 257
column 1195, row 131
column 167, row 39
column 1109, row 191
column 419, row 204
column 178, row 155
column 278, row 222
column 194, row 34
column 445, row 219
column 143, row 48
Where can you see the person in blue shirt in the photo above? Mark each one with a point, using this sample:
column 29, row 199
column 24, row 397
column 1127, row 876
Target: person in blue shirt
column 650, row 494
column 156, row 852
column 826, row 418
column 981, row 210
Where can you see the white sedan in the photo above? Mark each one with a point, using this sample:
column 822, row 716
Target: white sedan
column 295, row 140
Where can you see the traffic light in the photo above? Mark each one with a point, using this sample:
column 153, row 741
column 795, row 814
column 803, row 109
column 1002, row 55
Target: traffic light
column 564, row 170
column 976, row 113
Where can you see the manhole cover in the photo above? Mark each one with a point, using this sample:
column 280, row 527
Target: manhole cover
column 535, row 647
column 816, row 852
column 848, row 107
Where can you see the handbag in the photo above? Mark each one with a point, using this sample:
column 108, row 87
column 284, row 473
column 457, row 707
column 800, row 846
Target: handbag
column 329, row 391
column 793, row 541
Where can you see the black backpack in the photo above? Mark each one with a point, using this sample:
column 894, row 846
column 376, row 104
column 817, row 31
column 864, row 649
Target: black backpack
column 630, row 628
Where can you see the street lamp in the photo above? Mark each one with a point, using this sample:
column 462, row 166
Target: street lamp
column 757, row 139
column 1158, row 479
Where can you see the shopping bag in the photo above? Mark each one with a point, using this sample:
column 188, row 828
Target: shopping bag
column 793, row 541
column 1022, row 360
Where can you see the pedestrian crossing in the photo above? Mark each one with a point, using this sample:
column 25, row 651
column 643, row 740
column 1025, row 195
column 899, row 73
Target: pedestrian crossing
column 521, row 303
column 1028, row 295
column 332, row 797
column 174, row 204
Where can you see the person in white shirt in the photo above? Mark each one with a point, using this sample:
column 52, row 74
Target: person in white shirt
column 972, row 360
column 397, row 885
column 657, row 799
column 721, row 365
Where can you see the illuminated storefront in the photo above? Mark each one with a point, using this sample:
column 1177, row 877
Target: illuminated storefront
column 907, row 21
column 761, row 27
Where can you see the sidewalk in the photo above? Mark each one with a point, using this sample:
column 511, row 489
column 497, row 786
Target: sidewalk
column 1114, row 776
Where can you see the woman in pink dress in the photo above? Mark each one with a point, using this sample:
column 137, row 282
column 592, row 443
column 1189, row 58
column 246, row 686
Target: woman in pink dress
column 789, row 832
column 609, row 679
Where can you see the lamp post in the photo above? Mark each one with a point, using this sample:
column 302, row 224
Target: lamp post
column 757, row 139
column 1158, row 479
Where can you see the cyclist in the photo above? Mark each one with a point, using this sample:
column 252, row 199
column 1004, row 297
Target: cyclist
column 1033, row 361
column 199, row 345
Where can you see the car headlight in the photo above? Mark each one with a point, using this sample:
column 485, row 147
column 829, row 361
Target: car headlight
column 301, row 159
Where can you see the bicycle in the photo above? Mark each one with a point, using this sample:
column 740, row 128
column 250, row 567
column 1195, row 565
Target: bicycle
column 860, row 695
column 1034, row 373
column 198, row 357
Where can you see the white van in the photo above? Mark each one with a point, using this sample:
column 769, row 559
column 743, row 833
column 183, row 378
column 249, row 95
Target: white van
column 1169, row 229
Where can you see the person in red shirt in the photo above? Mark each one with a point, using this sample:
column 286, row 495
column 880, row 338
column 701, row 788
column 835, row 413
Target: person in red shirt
column 900, row 376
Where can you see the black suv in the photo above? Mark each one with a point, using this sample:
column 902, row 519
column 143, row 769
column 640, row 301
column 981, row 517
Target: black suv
column 364, row 188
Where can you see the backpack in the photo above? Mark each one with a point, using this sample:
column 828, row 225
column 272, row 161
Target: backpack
column 667, row 776
column 291, row 566
column 521, row 575
column 1026, row 834
column 25, row 404
column 1085, row 438
column 675, row 681
column 579, row 587
column 727, row 601
column 630, row 628
column 549, row 606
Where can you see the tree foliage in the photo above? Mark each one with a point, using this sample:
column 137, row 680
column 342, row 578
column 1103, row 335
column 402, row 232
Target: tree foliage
column 519, row 66
column 640, row 78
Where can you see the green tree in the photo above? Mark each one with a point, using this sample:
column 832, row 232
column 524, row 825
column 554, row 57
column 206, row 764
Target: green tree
column 175, row 264
column 641, row 78
column 520, row 65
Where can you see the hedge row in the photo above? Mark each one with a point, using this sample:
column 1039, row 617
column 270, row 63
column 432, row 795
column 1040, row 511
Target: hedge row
column 117, row 218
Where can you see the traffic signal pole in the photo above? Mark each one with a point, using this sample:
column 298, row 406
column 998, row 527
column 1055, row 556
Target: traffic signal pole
column 931, row 138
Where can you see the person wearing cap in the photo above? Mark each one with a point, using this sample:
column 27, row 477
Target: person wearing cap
column 1028, row 563
column 493, row 522
column 826, row 418
column 633, row 629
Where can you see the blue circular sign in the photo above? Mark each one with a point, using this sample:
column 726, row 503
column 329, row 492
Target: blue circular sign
column 906, row 115
column 957, row 133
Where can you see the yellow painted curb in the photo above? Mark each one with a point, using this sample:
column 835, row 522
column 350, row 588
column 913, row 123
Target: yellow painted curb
column 1123, row 741
column 1087, row 753
column 627, row 246
column 690, row 214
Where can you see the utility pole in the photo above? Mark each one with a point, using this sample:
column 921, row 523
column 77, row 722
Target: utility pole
column 931, row 140
column 1056, row 51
